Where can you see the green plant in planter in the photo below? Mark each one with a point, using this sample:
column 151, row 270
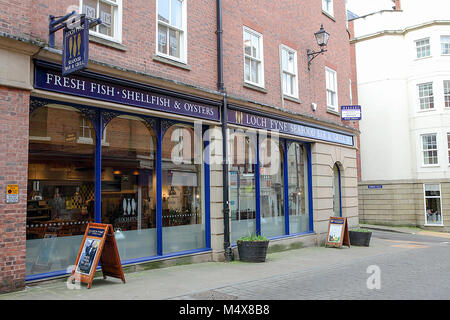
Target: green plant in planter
column 360, row 230
column 253, row 237
column 252, row 248
column 360, row 236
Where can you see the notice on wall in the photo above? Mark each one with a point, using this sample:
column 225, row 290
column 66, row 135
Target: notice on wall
column 98, row 245
column 351, row 113
column 12, row 193
column 338, row 234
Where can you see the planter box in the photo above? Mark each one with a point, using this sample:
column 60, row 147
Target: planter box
column 360, row 238
column 252, row 251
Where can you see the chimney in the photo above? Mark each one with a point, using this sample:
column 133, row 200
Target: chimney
column 397, row 5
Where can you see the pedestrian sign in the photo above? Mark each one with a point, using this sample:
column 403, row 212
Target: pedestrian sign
column 98, row 245
column 338, row 234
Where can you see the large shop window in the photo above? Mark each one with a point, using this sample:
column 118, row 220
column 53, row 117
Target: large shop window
column 128, row 185
column 272, row 188
column 242, row 185
column 298, row 189
column 268, row 178
column 60, row 199
column 183, row 207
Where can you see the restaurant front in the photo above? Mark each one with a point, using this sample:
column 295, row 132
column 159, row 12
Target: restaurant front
column 136, row 163
column 148, row 161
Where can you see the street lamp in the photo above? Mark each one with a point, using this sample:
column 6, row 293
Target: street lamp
column 322, row 39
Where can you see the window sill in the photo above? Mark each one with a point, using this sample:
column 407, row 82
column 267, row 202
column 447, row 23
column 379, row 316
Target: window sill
column 333, row 112
column 297, row 100
column 328, row 15
column 106, row 42
column 254, row 87
column 430, row 166
column 433, row 225
column 426, row 110
column 423, row 58
column 171, row 62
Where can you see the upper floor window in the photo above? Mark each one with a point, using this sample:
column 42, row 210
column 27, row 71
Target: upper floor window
column 253, row 57
column 429, row 149
column 327, row 6
column 423, row 48
column 426, row 99
column 289, row 71
column 331, row 84
column 110, row 12
column 447, row 93
column 172, row 29
column 445, row 44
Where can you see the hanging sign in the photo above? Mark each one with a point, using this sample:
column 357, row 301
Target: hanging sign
column 12, row 193
column 75, row 51
column 98, row 245
column 350, row 112
column 338, row 234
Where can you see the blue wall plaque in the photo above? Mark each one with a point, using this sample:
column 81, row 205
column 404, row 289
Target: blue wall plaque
column 351, row 112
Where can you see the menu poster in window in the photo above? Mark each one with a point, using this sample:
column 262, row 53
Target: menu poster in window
column 98, row 245
column 338, row 234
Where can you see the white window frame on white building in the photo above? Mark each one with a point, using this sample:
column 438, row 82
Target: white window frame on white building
column 429, row 150
column 331, row 89
column 447, row 93
column 327, row 7
column 426, row 97
column 114, row 19
column 179, row 28
column 445, row 45
column 254, row 58
column 433, row 218
column 289, row 72
column 448, row 144
column 423, row 48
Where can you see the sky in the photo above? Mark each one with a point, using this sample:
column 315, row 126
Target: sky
column 363, row 7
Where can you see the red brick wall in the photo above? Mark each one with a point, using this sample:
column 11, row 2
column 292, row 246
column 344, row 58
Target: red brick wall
column 139, row 37
column 292, row 23
column 14, row 106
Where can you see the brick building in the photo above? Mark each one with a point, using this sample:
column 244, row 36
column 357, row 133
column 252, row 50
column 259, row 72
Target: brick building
column 135, row 139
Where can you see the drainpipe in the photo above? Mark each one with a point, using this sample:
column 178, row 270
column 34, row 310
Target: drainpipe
column 220, row 85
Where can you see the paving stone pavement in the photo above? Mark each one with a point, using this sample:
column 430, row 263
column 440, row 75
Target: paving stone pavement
column 411, row 267
column 422, row 273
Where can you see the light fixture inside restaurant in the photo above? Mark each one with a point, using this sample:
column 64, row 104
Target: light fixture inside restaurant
column 322, row 39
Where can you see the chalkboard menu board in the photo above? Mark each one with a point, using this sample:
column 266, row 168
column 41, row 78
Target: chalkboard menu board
column 98, row 245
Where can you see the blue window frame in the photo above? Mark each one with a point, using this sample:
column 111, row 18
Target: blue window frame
column 100, row 119
column 288, row 230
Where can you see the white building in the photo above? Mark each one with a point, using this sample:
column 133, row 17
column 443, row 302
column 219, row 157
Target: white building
column 403, row 70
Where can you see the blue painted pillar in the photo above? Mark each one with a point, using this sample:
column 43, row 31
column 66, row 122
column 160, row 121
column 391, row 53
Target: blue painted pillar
column 159, row 244
column 206, row 161
column 286, row 187
column 310, row 189
column 98, row 167
column 257, row 189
